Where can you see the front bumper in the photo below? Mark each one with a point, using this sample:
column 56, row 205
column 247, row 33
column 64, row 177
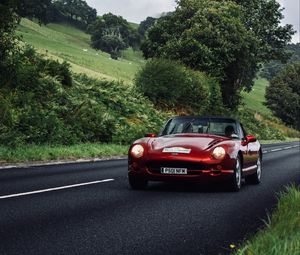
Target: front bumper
column 195, row 172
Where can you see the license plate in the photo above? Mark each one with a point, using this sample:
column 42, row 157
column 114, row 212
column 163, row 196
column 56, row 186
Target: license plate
column 171, row 170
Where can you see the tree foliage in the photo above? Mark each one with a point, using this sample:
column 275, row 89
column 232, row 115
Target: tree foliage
column 77, row 12
column 283, row 95
column 272, row 68
column 145, row 25
column 111, row 33
column 263, row 18
column 8, row 22
column 217, row 37
column 33, row 9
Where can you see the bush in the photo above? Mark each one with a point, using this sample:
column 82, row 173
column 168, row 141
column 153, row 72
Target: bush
column 169, row 84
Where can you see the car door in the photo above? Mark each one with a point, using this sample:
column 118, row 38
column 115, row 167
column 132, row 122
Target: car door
column 252, row 151
column 247, row 160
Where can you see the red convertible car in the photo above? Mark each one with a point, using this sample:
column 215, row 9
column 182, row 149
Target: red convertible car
column 194, row 149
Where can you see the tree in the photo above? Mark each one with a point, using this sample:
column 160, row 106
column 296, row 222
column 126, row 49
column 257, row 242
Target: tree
column 33, row 9
column 111, row 33
column 77, row 12
column 145, row 25
column 8, row 22
column 283, row 95
column 263, row 17
column 213, row 36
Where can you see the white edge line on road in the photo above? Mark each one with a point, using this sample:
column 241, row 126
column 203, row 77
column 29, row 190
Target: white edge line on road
column 55, row 163
column 54, row 189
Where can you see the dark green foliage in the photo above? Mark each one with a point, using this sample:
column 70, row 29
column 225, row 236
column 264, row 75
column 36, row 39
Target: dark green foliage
column 8, row 39
column 169, row 84
column 33, row 9
column 215, row 104
column 29, row 95
column 145, row 25
column 111, row 33
column 222, row 38
column 272, row 68
column 283, row 95
column 76, row 12
column 263, row 18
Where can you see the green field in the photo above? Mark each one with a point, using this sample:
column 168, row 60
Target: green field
column 256, row 98
column 64, row 42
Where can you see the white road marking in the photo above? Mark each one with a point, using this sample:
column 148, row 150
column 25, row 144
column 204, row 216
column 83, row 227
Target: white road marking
column 281, row 149
column 54, row 189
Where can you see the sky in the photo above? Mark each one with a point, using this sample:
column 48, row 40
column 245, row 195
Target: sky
column 138, row 10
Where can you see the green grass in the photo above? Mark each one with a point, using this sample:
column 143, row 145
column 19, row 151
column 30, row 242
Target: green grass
column 64, row 42
column 31, row 153
column 256, row 98
column 281, row 236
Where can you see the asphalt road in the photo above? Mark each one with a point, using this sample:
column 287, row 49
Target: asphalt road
column 107, row 217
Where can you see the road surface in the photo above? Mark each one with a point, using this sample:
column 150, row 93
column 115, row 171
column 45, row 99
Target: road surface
column 89, row 209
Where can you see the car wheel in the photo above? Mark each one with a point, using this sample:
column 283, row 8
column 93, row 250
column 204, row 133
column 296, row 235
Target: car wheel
column 256, row 177
column 137, row 183
column 236, row 181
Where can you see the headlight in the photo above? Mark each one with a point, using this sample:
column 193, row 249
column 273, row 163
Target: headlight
column 137, row 151
column 219, row 153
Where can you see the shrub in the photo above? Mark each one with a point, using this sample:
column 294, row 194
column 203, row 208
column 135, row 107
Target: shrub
column 169, row 84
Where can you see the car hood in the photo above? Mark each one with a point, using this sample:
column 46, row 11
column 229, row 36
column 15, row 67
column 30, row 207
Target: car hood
column 195, row 142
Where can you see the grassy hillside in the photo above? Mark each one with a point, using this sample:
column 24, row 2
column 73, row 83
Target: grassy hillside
column 256, row 98
column 64, row 42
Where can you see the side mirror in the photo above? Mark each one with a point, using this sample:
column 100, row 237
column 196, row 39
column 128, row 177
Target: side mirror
column 249, row 139
column 150, row 135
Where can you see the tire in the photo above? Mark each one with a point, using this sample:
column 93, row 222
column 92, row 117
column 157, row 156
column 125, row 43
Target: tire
column 256, row 177
column 236, row 181
column 137, row 183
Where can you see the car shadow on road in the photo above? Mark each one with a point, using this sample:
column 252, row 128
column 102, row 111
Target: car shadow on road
column 211, row 187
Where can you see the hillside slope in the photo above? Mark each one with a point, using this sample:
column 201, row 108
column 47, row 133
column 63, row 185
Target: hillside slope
column 64, row 42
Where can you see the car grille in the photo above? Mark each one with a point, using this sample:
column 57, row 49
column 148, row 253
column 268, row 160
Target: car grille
column 192, row 167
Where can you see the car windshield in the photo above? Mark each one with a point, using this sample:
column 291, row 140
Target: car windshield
column 214, row 126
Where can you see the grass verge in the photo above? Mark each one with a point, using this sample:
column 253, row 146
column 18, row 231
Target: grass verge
column 31, row 153
column 59, row 152
column 281, row 235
